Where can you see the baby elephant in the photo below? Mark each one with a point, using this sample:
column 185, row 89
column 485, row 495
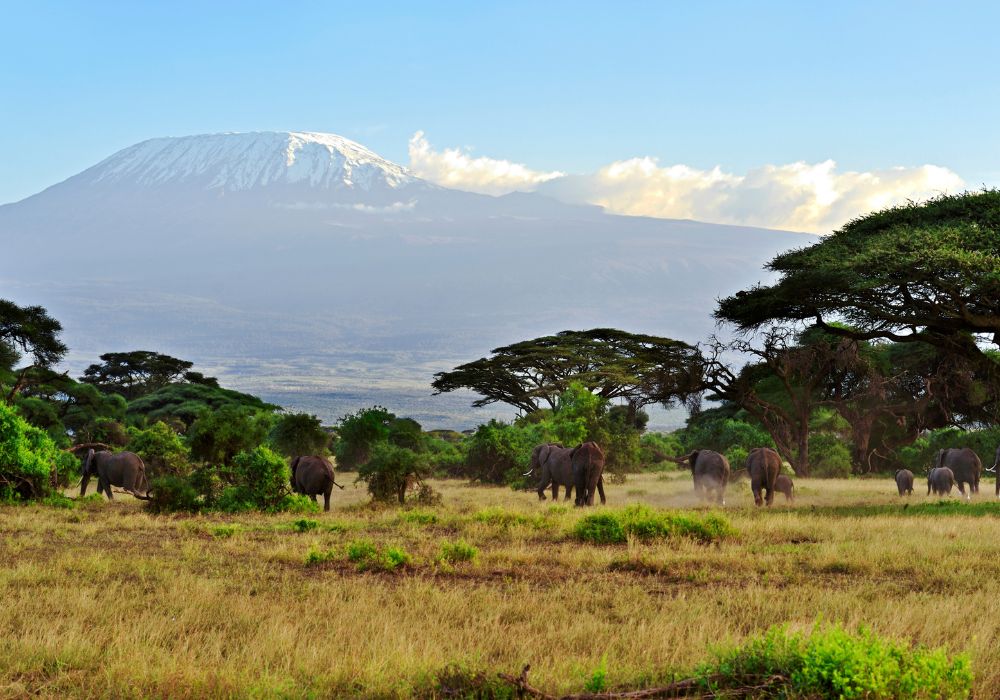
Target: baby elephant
column 904, row 482
column 783, row 484
column 940, row 480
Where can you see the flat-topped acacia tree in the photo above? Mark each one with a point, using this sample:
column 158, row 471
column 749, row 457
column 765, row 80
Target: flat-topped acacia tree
column 925, row 273
column 614, row 364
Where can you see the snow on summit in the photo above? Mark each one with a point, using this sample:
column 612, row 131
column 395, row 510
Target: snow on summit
column 244, row 161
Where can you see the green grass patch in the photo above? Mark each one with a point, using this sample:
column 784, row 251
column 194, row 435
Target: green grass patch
column 911, row 507
column 367, row 556
column 834, row 663
column 418, row 517
column 305, row 525
column 316, row 556
column 455, row 552
column 505, row 519
column 646, row 524
column 224, row 531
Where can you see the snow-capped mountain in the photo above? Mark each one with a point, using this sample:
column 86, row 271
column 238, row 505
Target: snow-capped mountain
column 235, row 162
column 302, row 264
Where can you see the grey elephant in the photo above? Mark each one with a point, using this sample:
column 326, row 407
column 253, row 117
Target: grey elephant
column 996, row 461
column 313, row 475
column 710, row 471
column 763, row 465
column 964, row 464
column 554, row 464
column 783, row 484
column 904, row 482
column 940, row 480
column 588, row 472
column 124, row 469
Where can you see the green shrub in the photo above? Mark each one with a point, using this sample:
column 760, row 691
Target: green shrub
column 28, row 458
column 263, row 475
column 316, row 556
column 361, row 551
column 305, row 525
column 454, row 552
column 829, row 457
column 391, row 470
column 58, row 500
column 394, row 558
column 171, row 493
column 643, row 523
column 235, row 499
column 161, row 449
column 833, row 663
column 366, row 556
column 418, row 517
column 598, row 681
column 225, row 531
column 295, row 503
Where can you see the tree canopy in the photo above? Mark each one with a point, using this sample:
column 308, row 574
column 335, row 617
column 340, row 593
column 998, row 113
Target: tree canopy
column 916, row 273
column 26, row 330
column 136, row 373
column 642, row 369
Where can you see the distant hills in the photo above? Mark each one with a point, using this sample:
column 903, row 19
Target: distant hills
column 307, row 269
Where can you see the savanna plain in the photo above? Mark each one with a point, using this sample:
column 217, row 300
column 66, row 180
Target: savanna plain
column 103, row 599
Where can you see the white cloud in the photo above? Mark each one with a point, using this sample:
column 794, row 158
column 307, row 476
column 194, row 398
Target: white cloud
column 797, row 196
column 454, row 168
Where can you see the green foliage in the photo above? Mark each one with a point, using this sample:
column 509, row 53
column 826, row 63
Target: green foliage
column 134, row 374
column 712, row 430
column 834, row 663
column 367, row 556
column 170, row 493
column 30, row 330
column 220, row 435
column 264, row 475
column 643, row 523
column 455, row 552
column 418, row 517
column 640, row 369
column 504, row 519
column 161, row 450
column 296, row 434
column 223, row 532
column 829, row 456
column 305, row 525
column 598, row 681
column 358, row 433
column 391, row 470
column 296, row 503
column 498, row 453
column 184, row 403
column 920, row 455
column 28, row 458
column 656, row 447
column 316, row 556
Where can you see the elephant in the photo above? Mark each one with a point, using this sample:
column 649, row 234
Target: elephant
column 904, row 482
column 313, row 475
column 783, row 484
column 588, row 472
column 710, row 471
column 555, row 464
column 124, row 469
column 940, row 480
column 965, row 465
column 996, row 461
column 763, row 465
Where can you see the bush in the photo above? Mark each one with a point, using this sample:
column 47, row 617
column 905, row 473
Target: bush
column 161, row 450
column 454, row 552
column 296, row 434
column 173, row 493
column 359, row 433
column 829, row 457
column 654, row 448
column 366, row 556
column 643, row 523
column 263, row 475
column 833, row 663
column 500, row 453
column 391, row 470
column 28, row 458
column 220, row 435
column 712, row 430
column 305, row 525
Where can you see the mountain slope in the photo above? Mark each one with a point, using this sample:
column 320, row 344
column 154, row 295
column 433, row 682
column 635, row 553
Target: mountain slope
column 306, row 263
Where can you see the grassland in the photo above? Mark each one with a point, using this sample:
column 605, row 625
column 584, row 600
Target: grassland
column 106, row 600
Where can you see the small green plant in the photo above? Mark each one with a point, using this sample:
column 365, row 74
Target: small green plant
column 225, row 531
column 454, row 552
column 305, row 525
column 646, row 524
column 366, row 556
column 394, row 558
column 418, row 517
column 316, row 556
column 57, row 500
column 834, row 663
column 598, row 681
column 360, row 551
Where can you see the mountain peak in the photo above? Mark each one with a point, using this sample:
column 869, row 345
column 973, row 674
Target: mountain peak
column 246, row 161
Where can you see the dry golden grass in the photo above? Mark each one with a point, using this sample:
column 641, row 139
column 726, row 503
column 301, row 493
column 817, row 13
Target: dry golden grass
column 105, row 600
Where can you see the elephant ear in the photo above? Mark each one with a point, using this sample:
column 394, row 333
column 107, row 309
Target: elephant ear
column 693, row 457
column 295, row 464
column 87, row 462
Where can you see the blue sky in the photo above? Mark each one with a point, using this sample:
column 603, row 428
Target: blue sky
column 567, row 86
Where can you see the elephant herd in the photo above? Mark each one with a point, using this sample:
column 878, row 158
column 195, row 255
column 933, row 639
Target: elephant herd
column 310, row 475
column 580, row 468
column 955, row 466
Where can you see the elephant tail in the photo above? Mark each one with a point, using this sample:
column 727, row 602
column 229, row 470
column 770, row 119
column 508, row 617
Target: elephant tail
column 331, row 473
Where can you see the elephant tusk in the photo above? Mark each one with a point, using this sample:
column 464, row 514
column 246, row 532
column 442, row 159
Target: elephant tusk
column 528, row 473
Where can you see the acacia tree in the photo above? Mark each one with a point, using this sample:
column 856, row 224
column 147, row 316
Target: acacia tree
column 641, row 369
column 26, row 330
column 924, row 273
column 137, row 373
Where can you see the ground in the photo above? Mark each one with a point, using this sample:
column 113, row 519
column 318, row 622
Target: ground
column 106, row 600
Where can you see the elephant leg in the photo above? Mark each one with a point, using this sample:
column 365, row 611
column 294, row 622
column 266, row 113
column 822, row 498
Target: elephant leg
column 961, row 488
column 326, row 498
column 600, row 489
column 770, row 496
column 106, row 484
column 569, row 492
column 555, row 490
